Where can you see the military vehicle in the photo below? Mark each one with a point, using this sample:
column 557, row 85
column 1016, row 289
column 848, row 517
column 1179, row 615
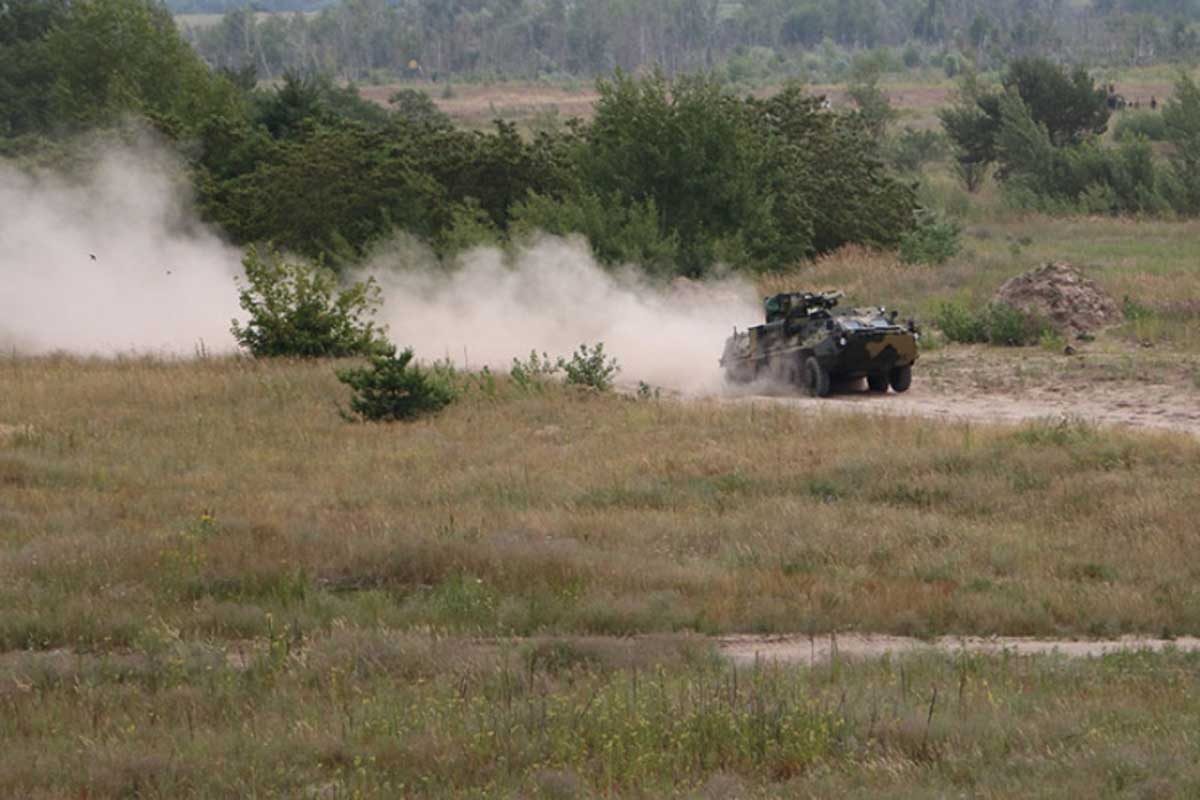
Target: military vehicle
column 805, row 342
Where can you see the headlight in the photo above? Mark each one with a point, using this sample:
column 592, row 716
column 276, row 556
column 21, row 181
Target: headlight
column 842, row 341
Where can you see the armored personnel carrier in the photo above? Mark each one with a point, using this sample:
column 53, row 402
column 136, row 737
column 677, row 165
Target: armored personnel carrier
column 808, row 342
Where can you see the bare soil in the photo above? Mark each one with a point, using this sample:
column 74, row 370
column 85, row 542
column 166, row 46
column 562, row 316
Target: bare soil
column 744, row 649
column 1059, row 294
column 1131, row 386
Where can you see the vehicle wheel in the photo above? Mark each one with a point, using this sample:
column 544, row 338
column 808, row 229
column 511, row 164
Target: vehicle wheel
column 900, row 378
column 816, row 378
column 877, row 383
column 795, row 375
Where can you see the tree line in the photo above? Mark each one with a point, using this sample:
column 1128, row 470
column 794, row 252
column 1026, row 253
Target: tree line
column 675, row 174
column 436, row 39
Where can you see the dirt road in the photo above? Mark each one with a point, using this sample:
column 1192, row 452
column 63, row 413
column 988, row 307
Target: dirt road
column 820, row 649
column 1135, row 387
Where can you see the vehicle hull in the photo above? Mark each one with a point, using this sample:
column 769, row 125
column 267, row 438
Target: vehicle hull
column 758, row 354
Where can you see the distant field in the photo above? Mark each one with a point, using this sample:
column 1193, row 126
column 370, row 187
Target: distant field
column 475, row 105
column 201, row 21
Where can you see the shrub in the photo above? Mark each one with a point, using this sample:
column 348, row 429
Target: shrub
column 590, row 368
column 392, row 388
column 1077, row 177
column 534, row 373
column 470, row 227
column 296, row 309
column 995, row 323
column 647, row 392
column 1147, row 124
column 416, row 106
column 911, row 56
column 960, row 324
column 972, row 174
column 1182, row 117
column 910, row 149
column 934, row 240
column 1134, row 311
column 953, row 64
column 874, row 107
column 1011, row 326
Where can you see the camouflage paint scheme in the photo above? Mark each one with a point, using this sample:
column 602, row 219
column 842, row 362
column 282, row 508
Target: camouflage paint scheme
column 807, row 343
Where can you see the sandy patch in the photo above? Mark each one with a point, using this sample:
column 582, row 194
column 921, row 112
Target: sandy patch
column 820, row 649
column 1134, row 387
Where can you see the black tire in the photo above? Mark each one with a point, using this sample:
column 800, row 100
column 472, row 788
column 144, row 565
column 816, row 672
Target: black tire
column 794, row 374
column 877, row 383
column 816, row 378
column 900, row 378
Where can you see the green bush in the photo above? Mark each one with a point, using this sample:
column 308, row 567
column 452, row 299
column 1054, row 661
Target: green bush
column 470, row 227
column 1147, row 124
column 296, row 309
column 953, row 64
column 1135, row 311
column 589, row 367
column 911, row 149
column 911, row 56
column 874, row 107
column 392, row 388
column 960, row 324
column 1182, row 116
column 972, row 174
column 416, row 106
column 534, row 373
column 995, row 323
column 1012, row 327
column 1081, row 177
column 934, row 240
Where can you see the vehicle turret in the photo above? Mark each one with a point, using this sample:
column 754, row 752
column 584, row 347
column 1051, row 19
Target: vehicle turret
column 798, row 304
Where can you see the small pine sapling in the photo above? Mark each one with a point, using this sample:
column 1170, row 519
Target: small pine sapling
column 392, row 388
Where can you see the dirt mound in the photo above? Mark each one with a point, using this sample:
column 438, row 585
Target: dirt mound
column 1069, row 302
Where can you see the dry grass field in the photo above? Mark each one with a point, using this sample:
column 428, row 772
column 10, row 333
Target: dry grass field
column 212, row 585
column 533, row 103
column 207, row 496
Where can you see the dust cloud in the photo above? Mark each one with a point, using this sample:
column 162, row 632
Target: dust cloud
column 552, row 296
column 111, row 261
column 114, row 261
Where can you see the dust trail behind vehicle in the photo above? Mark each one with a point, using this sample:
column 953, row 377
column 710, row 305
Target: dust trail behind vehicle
column 111, row 259
column 552, row 296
